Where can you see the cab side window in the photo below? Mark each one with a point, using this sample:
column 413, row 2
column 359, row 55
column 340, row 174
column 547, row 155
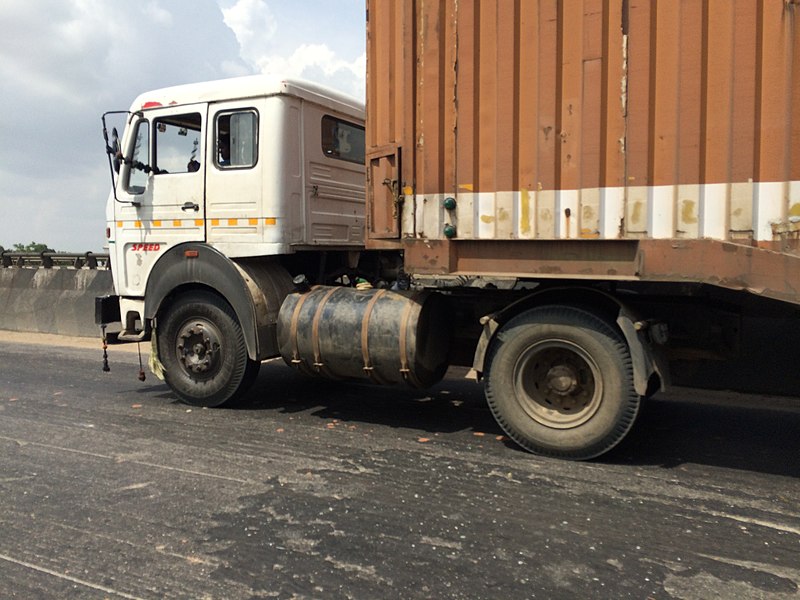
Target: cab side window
column 140, row 158
column 236, row 139
column 177, row 148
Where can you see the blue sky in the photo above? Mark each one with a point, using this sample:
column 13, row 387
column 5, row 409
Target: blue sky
column 65, row 62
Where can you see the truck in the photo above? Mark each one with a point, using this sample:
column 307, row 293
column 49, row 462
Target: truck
column 583, row 201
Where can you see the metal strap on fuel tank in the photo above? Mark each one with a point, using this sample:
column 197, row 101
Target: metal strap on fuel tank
column 365, row 338
column 296, row 360
column 318, row 364
column 404, row 369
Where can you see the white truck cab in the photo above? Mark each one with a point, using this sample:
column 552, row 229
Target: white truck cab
column 222, row 192
column 254, row 166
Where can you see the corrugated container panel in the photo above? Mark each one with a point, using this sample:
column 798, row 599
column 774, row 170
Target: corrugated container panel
column 564, row 119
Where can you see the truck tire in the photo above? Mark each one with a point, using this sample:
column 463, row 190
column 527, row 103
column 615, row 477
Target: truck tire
column 202, row 348
column 560, row 383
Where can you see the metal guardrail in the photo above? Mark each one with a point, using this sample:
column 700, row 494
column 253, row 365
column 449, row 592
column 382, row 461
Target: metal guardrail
column 49, row 260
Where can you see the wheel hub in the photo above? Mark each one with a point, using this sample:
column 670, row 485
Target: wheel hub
column 558, row 384
column 562, row 379
column 198, row 348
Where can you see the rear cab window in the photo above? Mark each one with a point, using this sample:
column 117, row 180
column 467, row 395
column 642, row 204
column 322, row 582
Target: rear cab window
column 236, row 139
column 342, row 140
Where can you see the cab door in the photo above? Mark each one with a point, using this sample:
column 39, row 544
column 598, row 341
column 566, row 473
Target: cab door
column 234, row 178
column 160, row 192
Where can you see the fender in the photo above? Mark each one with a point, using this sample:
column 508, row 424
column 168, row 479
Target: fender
column 646, row 361
column 196, row 265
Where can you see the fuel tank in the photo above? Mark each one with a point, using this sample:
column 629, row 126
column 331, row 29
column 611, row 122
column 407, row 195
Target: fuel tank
column 378, row 336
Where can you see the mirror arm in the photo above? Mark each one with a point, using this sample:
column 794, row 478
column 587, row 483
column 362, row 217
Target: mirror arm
column 118, row 154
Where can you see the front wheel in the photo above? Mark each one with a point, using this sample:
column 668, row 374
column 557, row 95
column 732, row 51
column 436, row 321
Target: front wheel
column 202, row 348
column 560, row 383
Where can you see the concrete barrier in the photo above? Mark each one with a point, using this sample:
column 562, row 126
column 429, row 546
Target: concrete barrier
column 58, row 300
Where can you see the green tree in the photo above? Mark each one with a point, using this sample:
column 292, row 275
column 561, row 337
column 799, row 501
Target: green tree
column 32, row 247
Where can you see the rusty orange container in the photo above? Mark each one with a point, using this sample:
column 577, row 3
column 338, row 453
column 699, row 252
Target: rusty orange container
column 497, row 128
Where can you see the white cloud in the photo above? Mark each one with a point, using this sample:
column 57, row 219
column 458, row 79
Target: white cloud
column 235, row 68
column 320, row 63
column 268, row 48
column 253, row 25
column 158, row 13
column 31, row 46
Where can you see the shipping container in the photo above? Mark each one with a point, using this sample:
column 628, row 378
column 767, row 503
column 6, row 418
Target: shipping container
column 612, row 139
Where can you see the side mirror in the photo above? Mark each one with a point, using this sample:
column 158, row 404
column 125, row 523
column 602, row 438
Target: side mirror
column 116, row 160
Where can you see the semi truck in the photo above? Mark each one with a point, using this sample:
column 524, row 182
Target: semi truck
column 582, row 201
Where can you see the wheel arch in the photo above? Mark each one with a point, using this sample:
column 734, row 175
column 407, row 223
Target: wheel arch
column 253, row 290
column 650, row 370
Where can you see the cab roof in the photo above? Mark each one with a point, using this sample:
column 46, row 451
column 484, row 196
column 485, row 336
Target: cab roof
column 254, row 86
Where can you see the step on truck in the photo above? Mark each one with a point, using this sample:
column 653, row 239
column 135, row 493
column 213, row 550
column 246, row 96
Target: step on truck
column 585, row 202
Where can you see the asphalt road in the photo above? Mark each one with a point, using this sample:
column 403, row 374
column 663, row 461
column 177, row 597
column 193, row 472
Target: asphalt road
column 109, row 488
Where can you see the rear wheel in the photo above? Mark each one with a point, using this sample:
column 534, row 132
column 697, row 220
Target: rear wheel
column 560, row 383
column 202, row 348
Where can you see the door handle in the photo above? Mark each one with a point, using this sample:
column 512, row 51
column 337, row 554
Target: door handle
column 190, row 206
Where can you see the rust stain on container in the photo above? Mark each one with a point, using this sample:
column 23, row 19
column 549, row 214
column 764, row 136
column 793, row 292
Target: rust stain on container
column 688, row 211
column 637, row 214
column 525, row 211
